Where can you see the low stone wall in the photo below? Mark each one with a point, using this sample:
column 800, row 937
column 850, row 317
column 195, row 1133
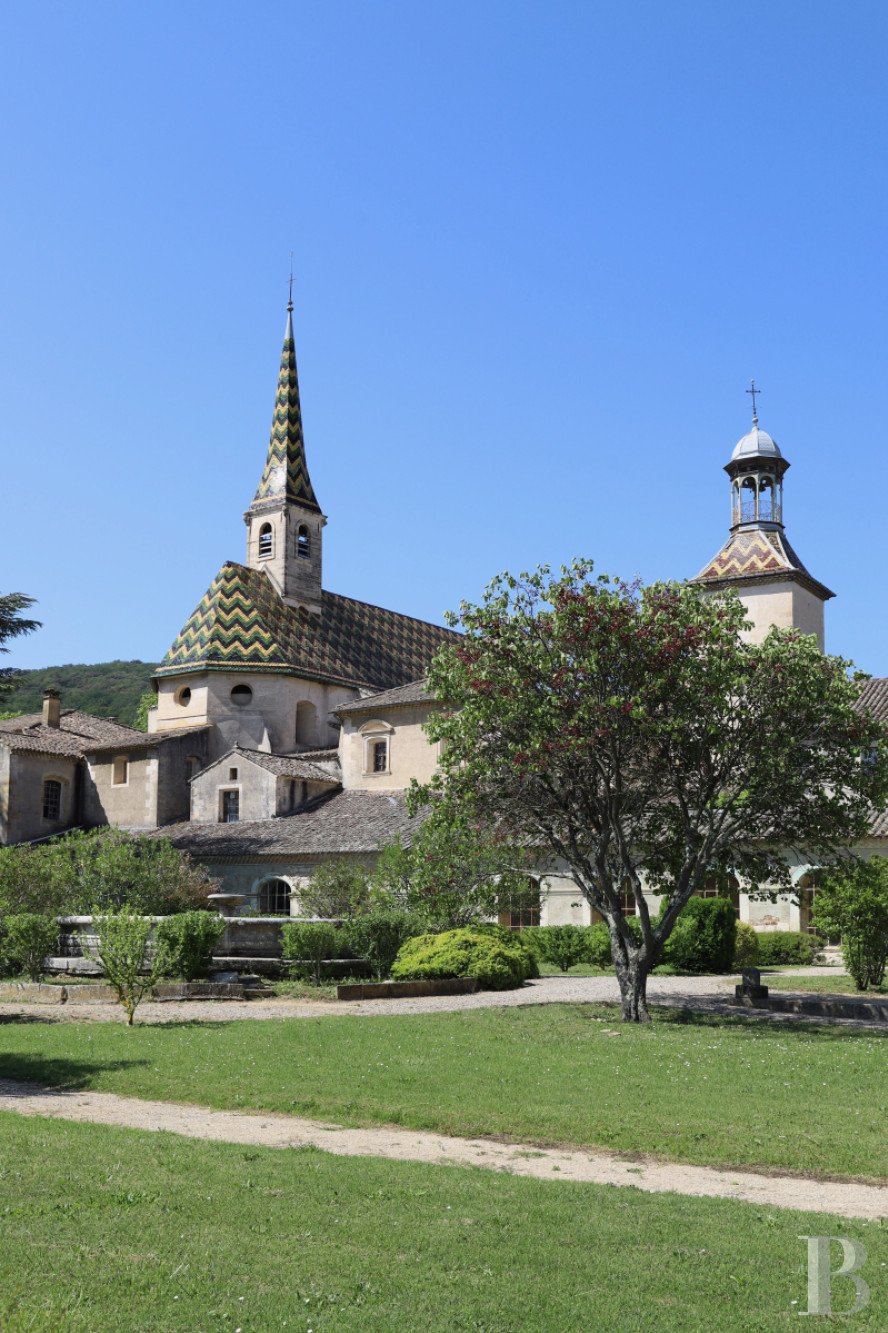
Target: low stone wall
column 403, row 990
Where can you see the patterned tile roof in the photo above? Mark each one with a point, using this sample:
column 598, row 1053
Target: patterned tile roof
column 285, row 477
column 241, row 622
column 77, row 734
column 347, row 822
column 755, row 553
column 417, row 692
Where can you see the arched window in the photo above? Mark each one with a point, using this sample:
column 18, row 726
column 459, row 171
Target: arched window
column 766, row 498
column 377, row 747
column 303, row 542
column 52, row 799
column 266, row 542
column 306, row 723
column 274, row 898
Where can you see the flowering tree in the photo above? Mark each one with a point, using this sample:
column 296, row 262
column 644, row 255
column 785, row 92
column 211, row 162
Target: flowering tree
column 629, row 730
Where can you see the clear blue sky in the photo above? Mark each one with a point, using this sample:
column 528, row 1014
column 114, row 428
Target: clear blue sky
column 540, row 250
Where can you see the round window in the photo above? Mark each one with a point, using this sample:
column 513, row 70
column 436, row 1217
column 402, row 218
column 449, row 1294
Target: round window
column 183, row 696
column 241, row 695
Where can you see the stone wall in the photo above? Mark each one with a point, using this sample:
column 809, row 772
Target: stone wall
column 410, row 753
column 22, row 776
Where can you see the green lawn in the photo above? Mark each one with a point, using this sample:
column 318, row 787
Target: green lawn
column 109, row 1229
column 697, row 1089
column 828, row 985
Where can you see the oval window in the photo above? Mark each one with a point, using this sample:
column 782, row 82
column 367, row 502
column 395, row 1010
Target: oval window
column 183, row 696
column 241, row 695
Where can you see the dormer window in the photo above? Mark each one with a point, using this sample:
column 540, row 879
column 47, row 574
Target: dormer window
column 303, row 542
column 266, row 542
column 377, row 747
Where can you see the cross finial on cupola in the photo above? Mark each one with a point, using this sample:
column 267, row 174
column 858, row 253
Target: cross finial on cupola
column 752, row 390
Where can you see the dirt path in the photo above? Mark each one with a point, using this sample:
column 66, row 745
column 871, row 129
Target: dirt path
column 696, row 992
column 841, row 1199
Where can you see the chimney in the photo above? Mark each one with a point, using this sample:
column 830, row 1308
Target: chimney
column 52, row 708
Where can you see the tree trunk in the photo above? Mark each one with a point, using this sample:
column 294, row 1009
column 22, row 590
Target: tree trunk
column 632, row 974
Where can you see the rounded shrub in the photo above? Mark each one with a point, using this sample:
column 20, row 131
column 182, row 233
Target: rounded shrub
column 184, row 943
column 310, row 944
column 704, row 937
column 598, row 945
column 378, row 936
column 28, row 938
column 563, row 946
column 468, row 952
column 746, row 949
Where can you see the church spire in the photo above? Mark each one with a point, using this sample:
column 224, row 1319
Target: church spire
column 285, row 478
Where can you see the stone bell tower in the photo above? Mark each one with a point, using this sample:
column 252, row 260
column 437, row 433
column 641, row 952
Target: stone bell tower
column 284, row 522
column 757, row 559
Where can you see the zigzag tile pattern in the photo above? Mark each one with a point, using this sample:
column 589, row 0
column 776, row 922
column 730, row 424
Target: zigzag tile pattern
column 749, row 553
column 241, row 622
column 285, row 476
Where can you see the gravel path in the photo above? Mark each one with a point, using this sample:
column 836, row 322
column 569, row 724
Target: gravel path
column 699, row 992
column 838, row 1198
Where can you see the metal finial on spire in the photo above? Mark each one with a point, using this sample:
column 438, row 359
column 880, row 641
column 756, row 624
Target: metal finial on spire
column 290, row 302
column 753, row 390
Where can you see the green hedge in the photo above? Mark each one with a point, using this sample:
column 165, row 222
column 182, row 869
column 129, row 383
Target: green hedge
column 746, row 947
column 703, row 937
column 787, row 947
column 184, row 943
column 497, row 963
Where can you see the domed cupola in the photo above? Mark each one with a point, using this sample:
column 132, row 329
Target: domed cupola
column 756, row 470
column 757, row 559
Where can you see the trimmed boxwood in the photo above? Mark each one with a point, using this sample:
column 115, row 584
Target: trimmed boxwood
column 468, row 952
column 778, row 948
column 704, row 937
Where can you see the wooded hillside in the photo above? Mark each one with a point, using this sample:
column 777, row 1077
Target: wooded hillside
column 107, row 689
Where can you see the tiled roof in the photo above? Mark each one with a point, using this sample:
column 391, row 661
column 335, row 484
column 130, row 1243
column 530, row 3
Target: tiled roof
column 242, row 623
column 755, row 553
column 285, row 478
column 77, row 734
column 320, row 756
column 874, row 698
column 287, row 765
column 417, row 692
column 345, row 822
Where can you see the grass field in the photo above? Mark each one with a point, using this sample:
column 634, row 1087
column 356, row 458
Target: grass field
column 721, row 1092
column 119, row 1230
column 827, row 985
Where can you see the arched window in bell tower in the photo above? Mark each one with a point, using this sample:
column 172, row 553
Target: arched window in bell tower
column 266, row 542
column 766, row 499
column 748, row 495
column 303, row 542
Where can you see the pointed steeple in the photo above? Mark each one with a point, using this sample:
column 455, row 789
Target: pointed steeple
column 285, row 478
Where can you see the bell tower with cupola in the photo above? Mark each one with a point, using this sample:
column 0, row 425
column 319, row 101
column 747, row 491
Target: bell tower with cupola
column 284, row 522
column 757, row 559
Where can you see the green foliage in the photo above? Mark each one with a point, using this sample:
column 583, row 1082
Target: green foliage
column 633, row 732
column 377, row 937
column 147, row 701
column 12, row 624
column 336, row 889
column 123, row 949
column 107, row 868
column 746, row 949
column 463, row 953
column 563, row 945
column 312, row 943
column 185, row 943
column 704, row 937
column 852, row 901
column 106, row 689
column 26, row 939
column 598, row 945
column 454, row 873
column 787, row 948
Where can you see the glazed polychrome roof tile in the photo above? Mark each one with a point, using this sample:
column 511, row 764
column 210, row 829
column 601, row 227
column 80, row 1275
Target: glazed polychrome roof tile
column 241, row 622
column 285, row 477
column 754, row 554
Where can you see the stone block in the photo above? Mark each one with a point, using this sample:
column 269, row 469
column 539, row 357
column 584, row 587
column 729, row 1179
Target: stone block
column 30, row 992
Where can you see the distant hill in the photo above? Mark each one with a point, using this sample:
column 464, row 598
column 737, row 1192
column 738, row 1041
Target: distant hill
column 107, row 689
